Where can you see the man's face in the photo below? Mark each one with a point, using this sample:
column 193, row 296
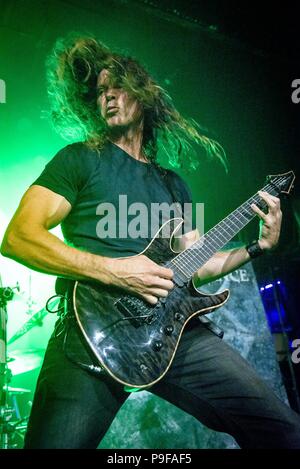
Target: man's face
column 117, row 107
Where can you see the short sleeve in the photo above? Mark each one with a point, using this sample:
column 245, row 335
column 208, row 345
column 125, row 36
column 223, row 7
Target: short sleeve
column 183, row 195
column 65, row 173
column 186, row 194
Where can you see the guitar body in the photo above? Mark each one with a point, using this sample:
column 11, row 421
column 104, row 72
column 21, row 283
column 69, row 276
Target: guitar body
column 136, row 342
column 133, row 341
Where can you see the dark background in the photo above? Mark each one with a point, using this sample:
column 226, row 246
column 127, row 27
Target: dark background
column 226, row 64
column 229, row 65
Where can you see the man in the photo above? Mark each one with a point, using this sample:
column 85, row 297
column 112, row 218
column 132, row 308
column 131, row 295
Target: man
column 75, row 402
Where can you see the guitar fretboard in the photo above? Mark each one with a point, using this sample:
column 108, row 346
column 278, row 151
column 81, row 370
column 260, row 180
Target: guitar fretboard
column 190, row 260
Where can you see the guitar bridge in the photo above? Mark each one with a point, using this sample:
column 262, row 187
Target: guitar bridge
column 131, row 308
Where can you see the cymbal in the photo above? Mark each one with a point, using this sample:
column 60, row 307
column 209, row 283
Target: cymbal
column 17, row 390
column 35, row 320
column 25, row 360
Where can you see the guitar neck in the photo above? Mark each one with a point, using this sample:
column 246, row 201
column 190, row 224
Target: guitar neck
column 190, row 260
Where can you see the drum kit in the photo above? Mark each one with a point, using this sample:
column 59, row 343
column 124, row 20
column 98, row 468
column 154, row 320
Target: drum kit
column 15, row 402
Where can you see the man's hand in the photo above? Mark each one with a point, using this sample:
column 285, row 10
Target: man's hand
column 141, row 276
column 270, row 223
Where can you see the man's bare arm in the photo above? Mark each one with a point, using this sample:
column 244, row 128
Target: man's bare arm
column 28, row 241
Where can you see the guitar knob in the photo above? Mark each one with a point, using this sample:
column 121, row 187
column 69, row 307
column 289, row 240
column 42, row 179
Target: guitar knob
column 178, row 316
column 143, row 368
column 157, row 345
column 169, row 330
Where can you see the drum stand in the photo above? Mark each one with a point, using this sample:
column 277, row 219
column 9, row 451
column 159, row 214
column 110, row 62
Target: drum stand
column 7, row 429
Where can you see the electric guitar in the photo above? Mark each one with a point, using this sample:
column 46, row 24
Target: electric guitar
column 135, row 342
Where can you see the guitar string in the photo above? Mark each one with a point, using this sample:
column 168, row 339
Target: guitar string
column 221, row 228
column 191, row 256
column 188, row 262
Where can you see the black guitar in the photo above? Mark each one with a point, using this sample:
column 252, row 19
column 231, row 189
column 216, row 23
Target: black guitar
column 134, row 341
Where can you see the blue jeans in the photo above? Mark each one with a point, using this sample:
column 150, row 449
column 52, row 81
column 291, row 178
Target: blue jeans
column 73, row 408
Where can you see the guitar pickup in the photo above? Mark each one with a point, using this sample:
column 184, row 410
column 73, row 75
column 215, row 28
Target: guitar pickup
column 128, row 313
column 135, row 311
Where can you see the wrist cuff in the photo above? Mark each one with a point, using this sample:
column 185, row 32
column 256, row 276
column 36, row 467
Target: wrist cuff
column 254, row 249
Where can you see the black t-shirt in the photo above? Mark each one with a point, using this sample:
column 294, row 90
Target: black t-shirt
column 88, row 180
column 111, row 195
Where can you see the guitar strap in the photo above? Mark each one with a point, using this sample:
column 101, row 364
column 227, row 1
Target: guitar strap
column 177, row 197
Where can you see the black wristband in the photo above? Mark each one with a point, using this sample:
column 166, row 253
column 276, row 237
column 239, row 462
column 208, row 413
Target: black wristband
column 254, row 249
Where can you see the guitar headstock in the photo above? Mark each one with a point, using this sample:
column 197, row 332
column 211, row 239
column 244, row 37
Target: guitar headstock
column 284, row 183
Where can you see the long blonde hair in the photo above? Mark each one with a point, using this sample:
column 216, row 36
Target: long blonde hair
column 72, row 71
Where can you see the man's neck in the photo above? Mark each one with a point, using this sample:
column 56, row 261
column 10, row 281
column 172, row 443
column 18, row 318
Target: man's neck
column 131, row 142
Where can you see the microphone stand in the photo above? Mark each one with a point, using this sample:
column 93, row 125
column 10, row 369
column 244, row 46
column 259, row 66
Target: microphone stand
column 6, row 294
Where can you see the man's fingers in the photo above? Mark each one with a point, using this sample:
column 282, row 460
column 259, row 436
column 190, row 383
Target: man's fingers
column 154, row 294
column 162, row 283
column 272, row 201
column 159, row 293
column 259, row 212
column 166, row 284
column 272, row 197
column 150, row 299
column 162, row 272
column 165, row 273
column 159, row 270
